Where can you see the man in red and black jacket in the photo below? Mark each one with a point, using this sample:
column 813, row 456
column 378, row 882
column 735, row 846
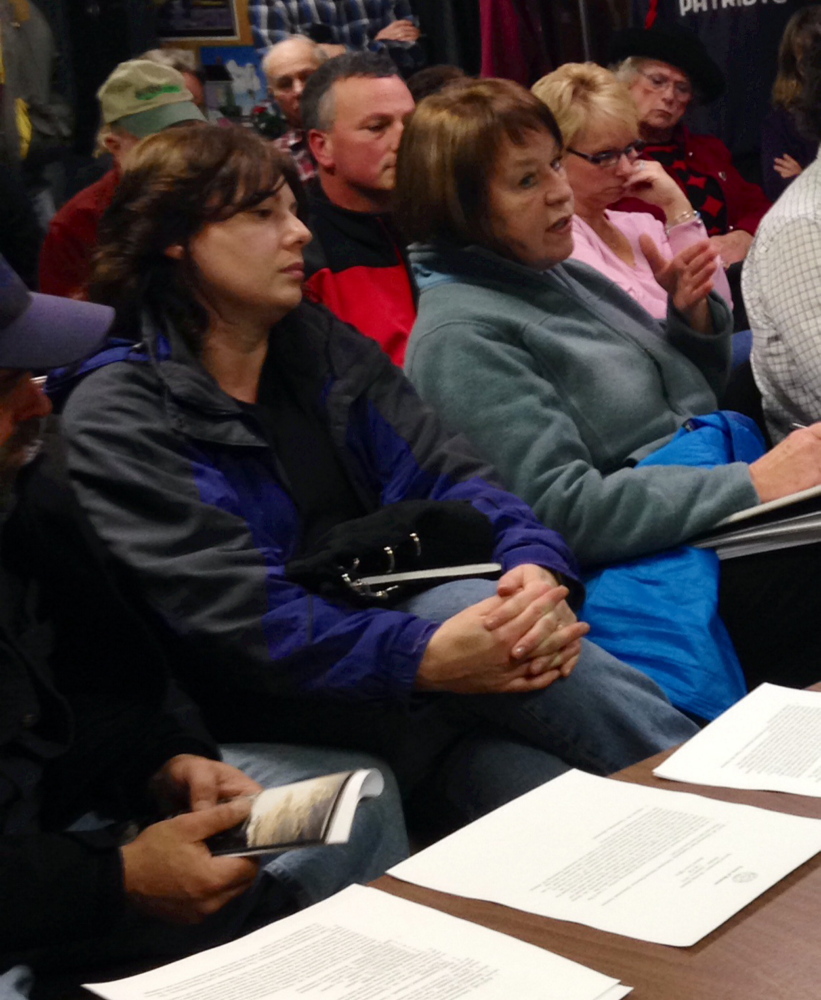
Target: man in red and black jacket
column 354, row 110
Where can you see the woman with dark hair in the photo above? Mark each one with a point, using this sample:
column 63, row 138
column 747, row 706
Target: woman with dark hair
column 786, row 148
column 559, row 378
column 248, row 430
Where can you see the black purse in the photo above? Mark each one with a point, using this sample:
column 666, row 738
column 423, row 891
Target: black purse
column 398, row 551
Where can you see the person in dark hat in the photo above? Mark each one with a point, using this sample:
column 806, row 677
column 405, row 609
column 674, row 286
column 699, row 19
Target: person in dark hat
column 742, row 38
column 666, row 71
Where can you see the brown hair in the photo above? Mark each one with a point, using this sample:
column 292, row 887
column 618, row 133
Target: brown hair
column 176, row 182
column 801, row 29
column 579, row 94
column 432, row 79
column 448, row 153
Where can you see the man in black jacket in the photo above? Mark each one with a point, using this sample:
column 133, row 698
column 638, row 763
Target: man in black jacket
column 84, row 733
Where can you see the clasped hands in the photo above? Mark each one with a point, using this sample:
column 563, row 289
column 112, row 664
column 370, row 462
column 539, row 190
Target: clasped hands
column 522, row 639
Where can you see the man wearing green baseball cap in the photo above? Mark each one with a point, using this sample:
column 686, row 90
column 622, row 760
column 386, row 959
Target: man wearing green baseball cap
column 138, row 99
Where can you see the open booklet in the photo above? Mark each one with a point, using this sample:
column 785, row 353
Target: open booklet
column 779, row 524
column 304, row 814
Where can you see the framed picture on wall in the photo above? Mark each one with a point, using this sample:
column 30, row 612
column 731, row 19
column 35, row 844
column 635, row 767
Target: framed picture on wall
column 234, row 81
column 203, row 20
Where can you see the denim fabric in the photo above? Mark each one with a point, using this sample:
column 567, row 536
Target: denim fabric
column 602, row 718
column 378, row 839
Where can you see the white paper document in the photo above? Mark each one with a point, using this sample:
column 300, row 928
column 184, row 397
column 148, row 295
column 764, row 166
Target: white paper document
column 770, row 740
column 779, row 524
column 364, row 944
column 657, row 865
column 751, row 513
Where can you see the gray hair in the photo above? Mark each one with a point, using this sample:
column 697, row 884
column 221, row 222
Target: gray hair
column 628, row 69
column 182, row 60
column 270, row 53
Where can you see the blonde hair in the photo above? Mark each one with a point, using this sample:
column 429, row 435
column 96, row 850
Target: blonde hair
column 580, row 93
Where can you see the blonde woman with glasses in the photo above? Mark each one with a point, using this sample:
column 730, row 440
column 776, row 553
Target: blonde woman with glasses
column 599, row 123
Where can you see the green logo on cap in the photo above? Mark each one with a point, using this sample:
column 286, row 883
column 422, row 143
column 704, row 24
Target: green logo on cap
column 149, row 93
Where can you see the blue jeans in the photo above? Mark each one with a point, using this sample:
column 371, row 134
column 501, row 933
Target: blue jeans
column 458, row 756
column 378, row 839
column 602, row 718
column 287, row 881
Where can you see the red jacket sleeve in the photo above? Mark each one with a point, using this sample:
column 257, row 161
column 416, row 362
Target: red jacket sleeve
column 65, row 262
column 746, row 202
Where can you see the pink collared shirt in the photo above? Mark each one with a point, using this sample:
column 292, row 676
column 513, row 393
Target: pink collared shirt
column 638, row 281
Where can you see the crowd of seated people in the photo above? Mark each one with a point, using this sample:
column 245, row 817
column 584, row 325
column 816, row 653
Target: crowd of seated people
column 231, row 430
column 559, row 379
column 328, row 433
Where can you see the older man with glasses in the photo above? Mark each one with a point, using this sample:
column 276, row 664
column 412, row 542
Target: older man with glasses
column 666, row 71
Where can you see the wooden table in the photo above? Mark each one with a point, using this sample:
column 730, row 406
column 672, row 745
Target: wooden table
column 771, row 950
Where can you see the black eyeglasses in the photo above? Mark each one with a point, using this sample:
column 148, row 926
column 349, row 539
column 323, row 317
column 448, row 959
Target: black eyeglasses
column 610, row 157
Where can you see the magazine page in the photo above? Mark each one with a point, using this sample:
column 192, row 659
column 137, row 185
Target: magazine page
column 303, row 814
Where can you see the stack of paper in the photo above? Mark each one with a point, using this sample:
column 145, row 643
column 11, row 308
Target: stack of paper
column 364, row 943
column 658, row 865
column 779, row 524
column 770, row 740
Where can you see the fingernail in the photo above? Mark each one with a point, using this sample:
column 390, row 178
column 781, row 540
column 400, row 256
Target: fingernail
column 519, row 651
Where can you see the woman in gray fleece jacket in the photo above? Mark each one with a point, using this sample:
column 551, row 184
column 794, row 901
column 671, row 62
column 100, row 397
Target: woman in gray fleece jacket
column 557, row 376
